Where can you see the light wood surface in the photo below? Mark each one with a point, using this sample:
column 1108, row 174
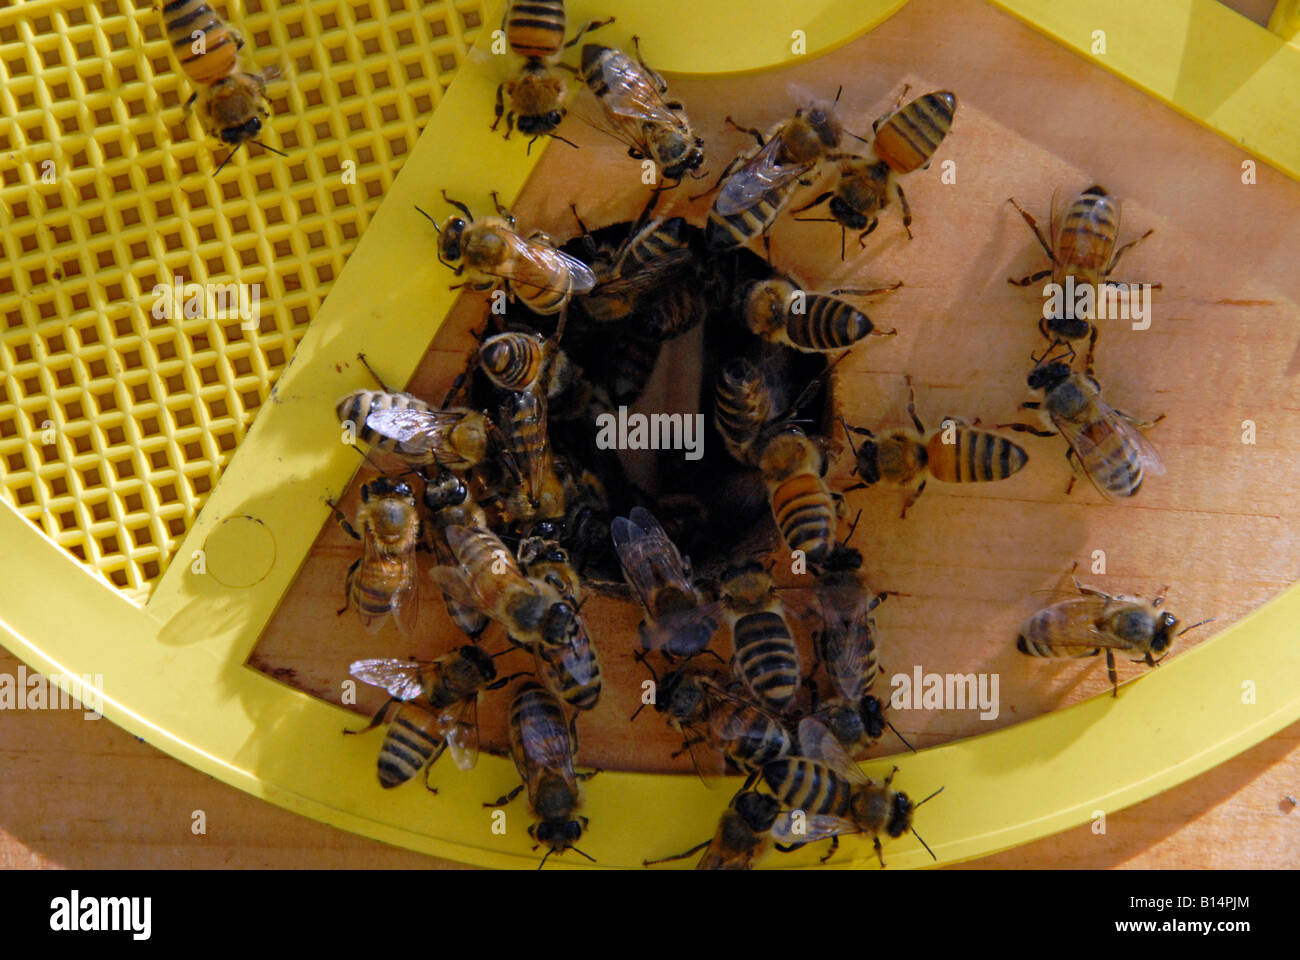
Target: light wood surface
column 1217, row 529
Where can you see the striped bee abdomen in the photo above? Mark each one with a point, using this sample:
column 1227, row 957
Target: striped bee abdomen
column 805, row 785
column 767, row 658
column 512, row 360
column 724, row 233
column 1041, row 636
column 826, row 323
column 974, row 456
column 908, row 139
column 747, row 735
column 1114, row 462
column 216, row 41
column 535, row 28
column 412, row 740
column 805, row 515
column 1087, row 234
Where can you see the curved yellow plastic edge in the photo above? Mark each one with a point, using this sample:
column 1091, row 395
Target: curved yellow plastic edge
column 174, row 672
column 1200, row 57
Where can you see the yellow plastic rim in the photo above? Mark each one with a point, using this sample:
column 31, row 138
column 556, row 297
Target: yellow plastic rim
column 174, row 672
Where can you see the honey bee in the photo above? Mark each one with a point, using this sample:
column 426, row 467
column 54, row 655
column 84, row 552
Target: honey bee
column 904, row 141
column 753, row 196
column 447, row 498
column 407, row 427
column 523, row 425
column 743, row 836
column 1095, row 621
column 535, row 31
column 781, row 312
column 636, row 113
column 542, row 746
column 533, row 271
column 570, row 671
column 1083, row 237
column 957, row 453
column 835, row 796
column 698, row 705
column 487, row 577
column 846, row 645
column 382, row 582
column 805, row 510
column 766, row 658
column 676, row 622
column 437, row 710
column 1105, row 443
column 232, row 100
column 743, row 406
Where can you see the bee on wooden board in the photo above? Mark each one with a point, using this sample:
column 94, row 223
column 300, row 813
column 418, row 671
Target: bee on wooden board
column 489, row 250
column 437, row 710
column 1084, row 233
column 757, row 185
column 1104, row 443
column 955, row 453
column 905, row 140
column 447, row 498
column 780, row 311
column 834, row 796
column 804, row 508
column 636, row 113
column 765, row 658
column 707, row 712
column 1094, row 621
column 383, row 581
column 543, row 745
column 677, row 622
column 743, row 837
column 571, row 671
column 534, row 29
column 232, row 101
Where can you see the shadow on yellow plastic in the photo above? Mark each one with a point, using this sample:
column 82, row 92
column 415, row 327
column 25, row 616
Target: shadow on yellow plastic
column 174, row 672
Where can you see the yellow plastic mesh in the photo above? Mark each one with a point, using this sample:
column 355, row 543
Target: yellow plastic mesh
column 114, row 425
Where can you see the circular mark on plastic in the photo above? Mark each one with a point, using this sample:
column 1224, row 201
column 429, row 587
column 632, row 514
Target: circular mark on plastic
column 240, row 551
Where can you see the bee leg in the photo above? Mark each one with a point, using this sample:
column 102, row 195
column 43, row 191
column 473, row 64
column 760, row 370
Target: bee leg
column 376, row 720
column 1092, row 347
column 911, row 407
column 912, row 498
column 686, row 746
column 502, row 211
column 816, row 203
column 371, row 370
column 907, row 210
column 592, row 25
column 862, row 237
column 498, row 684
column 189, row 104
column 507, row 798
column 458, row 205
column 835, row 845
column 879, row 852
column 428, row 767
column 679, row 856
column 767, row 246
column 1114, row 261
column 749, row 130
column 343, row 521
column 1032, row 278
column 1026, row 428
column 347, row 587
column 1140, row 424
column 1110, row 672
column 873, row 291
column 500, row 108
column 890, row 779
column 1033, row 225
column 586, row 775
column 658, row 80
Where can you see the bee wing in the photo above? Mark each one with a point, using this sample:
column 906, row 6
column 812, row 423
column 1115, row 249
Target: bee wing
column 684, row 632
column 529, row 405
column 457, row 536
column 455, row 586
column 547, row 746
column 632, row 102
column 819, row 744
column 1146, row 451
column 460, row 730
column 1085, row 439
column 406, row 599
column 759, row 174
column 809, row 828
column 417, row 429
column 649, row 277
column 857, row 638
column 403, row 679
column 650, row 560
column 1062, row 198
column 1075, row 625
column 539, row 266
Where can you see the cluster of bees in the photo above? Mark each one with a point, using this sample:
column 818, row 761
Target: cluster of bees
column 524, row 514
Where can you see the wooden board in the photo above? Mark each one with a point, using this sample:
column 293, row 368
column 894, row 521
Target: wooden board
column 1221, row 350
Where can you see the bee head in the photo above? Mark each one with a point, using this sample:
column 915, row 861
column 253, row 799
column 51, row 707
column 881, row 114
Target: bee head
column 900, row 815
column 825, row 122
column 383, row 487
column 480, row 661
column 550, row 529
column 558, row 835
column 1045, row 376
column 446, row 490
column 873, row 717
column 846, row 215
column 560, row 622
column 693, row 160
column 759, row 810
column 678, row 697
column 1097, row 191
column 868, row 461
column 1163, row 638
column 240, row 132
column 450, row 237
column 540, row 124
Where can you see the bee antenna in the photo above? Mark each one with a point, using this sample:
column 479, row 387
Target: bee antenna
column 856, row 137
column 837, row 94
column 1195, row 625
column 221, row 166
column 927, row 799
column 845, row 542
column 429, row 217
column 545, row 857
column 924, row 844
column 556, row 136
column 580, row 853
column 700, row 176
column 503, row 652
column 906, row 744
column 272, row 149
column 638, row 712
